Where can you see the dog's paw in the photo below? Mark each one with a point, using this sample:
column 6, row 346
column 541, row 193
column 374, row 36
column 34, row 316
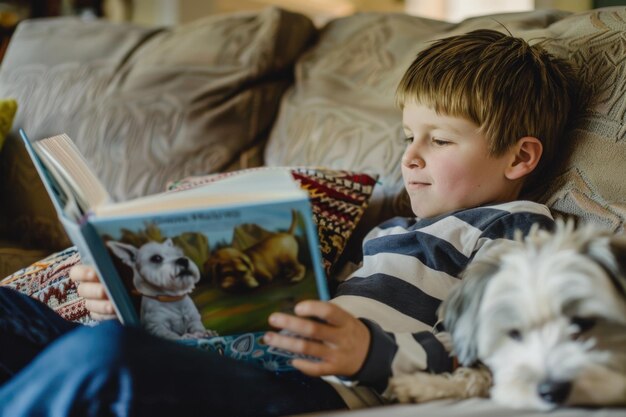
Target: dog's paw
column 210, row 333
column 421, row 387
column 200, row 335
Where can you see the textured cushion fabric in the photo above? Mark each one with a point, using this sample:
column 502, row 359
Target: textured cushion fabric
column 591, row 182
column 338, row 200
column 48, row 281
column 145, row 106
column 340, row 111
column 8, row 107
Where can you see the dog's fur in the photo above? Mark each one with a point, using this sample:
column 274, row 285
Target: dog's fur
column 546, row 315
column 164, row 277
column 272, row 257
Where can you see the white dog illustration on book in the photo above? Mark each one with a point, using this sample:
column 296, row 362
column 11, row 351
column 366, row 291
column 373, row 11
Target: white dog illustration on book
column 164, row 277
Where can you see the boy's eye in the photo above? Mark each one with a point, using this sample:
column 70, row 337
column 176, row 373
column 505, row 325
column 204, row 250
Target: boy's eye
column 408, row 139
column 440, row 142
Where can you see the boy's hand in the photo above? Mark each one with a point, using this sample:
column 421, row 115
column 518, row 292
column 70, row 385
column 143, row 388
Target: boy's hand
column 341, row 342
column 91, row 289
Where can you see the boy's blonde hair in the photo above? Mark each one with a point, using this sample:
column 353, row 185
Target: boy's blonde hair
column 506, row 86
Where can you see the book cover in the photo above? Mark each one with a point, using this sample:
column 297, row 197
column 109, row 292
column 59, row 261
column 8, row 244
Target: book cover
column 205, row 267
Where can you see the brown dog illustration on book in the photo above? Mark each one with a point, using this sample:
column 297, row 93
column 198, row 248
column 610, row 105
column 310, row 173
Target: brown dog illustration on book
column 273, row 257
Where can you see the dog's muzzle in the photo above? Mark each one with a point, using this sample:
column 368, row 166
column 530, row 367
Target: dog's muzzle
column 555, row 392
column 183, row 267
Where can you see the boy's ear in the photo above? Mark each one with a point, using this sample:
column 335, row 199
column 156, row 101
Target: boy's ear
column 526, row 156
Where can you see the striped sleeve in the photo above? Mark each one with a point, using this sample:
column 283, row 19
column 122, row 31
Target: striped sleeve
column 408, row 268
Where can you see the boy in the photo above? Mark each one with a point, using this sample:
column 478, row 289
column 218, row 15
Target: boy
column 483, row 114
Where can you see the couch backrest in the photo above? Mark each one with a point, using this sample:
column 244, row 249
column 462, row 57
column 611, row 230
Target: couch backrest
column 340, row 111
column 145, row 106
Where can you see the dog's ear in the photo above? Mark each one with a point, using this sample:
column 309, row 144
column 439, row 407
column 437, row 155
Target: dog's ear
column 618, row 248
column 125, row 252
column 460, row 309
column 617, row 245
column 610, row 253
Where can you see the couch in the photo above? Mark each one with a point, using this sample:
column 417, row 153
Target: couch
column 150, row 105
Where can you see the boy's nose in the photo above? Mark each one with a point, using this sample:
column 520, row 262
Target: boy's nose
column 413, row 162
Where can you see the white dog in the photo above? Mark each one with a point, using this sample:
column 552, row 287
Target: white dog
column 547, row 316
column 164, row 277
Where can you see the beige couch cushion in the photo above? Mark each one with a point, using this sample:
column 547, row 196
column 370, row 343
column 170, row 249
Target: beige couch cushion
column 340, row 112
column 144, row 105
column 592, row 181
column 150, row 105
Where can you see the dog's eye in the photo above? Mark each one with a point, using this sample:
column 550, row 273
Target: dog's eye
column 583, row 323
column 515, row 335
column 157, row 259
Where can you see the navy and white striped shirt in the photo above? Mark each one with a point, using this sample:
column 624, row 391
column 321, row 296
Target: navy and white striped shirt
column 409, row 266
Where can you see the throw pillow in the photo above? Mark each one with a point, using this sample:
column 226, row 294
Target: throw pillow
column 8, row 107
column 7, row 112
column 48, row 281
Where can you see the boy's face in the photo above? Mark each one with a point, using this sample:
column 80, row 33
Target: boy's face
column 446, row 165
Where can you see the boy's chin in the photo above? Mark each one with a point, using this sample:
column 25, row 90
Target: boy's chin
column 428, row 214
column 425, row 212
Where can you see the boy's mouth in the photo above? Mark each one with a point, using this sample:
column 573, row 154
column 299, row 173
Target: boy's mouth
column 416, row 185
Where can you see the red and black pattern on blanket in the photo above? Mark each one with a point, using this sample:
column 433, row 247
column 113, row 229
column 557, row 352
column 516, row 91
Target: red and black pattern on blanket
column 338, row 200
column 48, row 281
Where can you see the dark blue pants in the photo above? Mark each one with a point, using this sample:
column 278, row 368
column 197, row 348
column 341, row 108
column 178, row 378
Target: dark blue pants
column 51, row 367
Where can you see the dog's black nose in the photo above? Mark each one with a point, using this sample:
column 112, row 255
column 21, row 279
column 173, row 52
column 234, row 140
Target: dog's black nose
column 554, row 391
column 184, row 262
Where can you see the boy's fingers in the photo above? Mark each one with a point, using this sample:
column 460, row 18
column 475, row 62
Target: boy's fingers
column 102, row 317
column 100, row 307
column 83, row 273
column 296, row 344
column 92, row 290
column 304, row 327
column 330, row 313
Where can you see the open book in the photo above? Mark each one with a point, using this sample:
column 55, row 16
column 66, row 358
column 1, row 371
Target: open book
column 204, row 266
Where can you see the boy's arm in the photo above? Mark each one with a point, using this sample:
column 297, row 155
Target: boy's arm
column 391, row 354
column 355, row 349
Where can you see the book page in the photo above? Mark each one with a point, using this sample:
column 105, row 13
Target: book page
column 66, row 161
column 66, row 195
column 248, row 187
